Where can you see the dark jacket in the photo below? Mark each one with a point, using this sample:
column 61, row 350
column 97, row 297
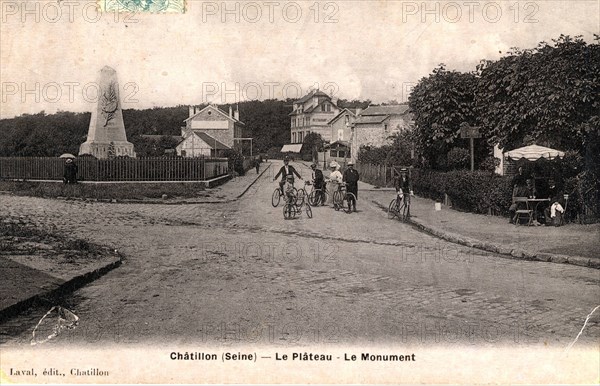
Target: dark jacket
column 351, row 177
column 70, row 173
column 318, row 177
column 283, row 174
column 405, row 185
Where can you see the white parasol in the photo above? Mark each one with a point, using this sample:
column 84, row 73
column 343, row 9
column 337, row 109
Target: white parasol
column 534, row 153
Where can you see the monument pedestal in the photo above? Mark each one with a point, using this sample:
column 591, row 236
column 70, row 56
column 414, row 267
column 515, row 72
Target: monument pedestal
column 106, row 134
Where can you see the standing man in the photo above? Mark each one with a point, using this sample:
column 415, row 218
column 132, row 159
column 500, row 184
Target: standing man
column 257, row 163
column 286, row 170
column 351, row 179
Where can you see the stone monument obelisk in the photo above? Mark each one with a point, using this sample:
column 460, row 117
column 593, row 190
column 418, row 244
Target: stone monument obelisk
column 106, row 134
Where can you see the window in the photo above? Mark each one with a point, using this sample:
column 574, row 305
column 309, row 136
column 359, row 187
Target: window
column 341, row 153
column 333, row 153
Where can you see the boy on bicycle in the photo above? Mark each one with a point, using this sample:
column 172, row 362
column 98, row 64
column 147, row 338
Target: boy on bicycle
column 403, row 187
column 288, row 189
column 285, row 171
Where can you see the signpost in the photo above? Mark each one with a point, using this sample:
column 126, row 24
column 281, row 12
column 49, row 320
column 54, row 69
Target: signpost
column 470, row 132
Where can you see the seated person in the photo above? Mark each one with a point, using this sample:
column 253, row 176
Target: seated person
column 521, row 191
column 530, row 191
column 555, row 211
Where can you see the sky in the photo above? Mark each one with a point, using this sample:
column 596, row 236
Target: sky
column 230, row 51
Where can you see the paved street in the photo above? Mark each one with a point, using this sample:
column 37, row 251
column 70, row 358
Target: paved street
column 238, row 273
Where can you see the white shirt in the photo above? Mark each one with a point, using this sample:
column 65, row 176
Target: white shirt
column 336, row 176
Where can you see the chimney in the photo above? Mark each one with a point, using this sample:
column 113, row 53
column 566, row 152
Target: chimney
column 358, row 111
column 230, row 112
column 191, row 109
column 195, row 111
column 236, row 113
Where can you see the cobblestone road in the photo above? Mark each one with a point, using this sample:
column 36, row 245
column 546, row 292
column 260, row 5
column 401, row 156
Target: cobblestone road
column 238, row 273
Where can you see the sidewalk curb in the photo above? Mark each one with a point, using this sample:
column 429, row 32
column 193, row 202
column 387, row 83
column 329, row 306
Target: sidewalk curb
column 252, row 183
column 500, row 249
column 68, row 286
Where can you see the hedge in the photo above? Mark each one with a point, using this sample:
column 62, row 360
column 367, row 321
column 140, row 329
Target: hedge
column 477, row 192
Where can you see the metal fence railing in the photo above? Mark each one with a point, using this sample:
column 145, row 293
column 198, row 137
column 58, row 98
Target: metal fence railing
column 116, row 169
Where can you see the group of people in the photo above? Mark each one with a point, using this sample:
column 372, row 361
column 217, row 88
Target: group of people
column 350, row 177
column 524, row 186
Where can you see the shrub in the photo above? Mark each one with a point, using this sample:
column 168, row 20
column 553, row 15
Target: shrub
column 458, row 158
column 478, row 192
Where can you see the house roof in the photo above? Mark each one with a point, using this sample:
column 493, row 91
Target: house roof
column 212, row 142
column 341, row 114
column 215, row 108
column 312, row 108
column 386, row 110
column 370, row 119
column 310, row 95
column 338, row 144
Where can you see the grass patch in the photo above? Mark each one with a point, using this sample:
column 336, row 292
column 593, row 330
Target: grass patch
column 17, row 238
column 127, row 191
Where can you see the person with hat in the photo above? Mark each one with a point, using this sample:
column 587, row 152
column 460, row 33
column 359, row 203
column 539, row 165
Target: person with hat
column 318, row 183
column 403, row 186
column 335, row 178
column 351, row 178
column 286, row 170
column 70, row 172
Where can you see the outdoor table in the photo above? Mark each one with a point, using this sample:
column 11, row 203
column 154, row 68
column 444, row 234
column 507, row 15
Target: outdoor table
column 532, row 204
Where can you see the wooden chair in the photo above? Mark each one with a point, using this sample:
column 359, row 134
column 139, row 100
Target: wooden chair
column 523, row 211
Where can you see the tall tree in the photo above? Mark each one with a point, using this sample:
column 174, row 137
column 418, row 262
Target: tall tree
column 547, row 94
column 440, row 103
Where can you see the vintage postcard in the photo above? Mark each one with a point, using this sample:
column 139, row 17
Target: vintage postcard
column 299, row 192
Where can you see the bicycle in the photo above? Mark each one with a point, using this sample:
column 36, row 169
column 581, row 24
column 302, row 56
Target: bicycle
column 400, row 207
column 277, row 194
column 343, row 199
column 294, row 207
column 316, row 196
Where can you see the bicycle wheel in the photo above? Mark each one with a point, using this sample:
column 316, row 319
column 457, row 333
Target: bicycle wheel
column 289, row 211
column 406, row 211
column 392, row 209
column 308, row 210
column 276, row 198
column 314, row 198
column 300, row 197
column 337, row 200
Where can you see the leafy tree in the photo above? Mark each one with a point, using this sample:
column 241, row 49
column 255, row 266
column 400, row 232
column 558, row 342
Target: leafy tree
column 440, row 103
column 402, row 150
column 546, row 95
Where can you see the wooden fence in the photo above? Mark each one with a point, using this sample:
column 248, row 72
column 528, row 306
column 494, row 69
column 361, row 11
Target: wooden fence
column 378, row 175
column 117, row 169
